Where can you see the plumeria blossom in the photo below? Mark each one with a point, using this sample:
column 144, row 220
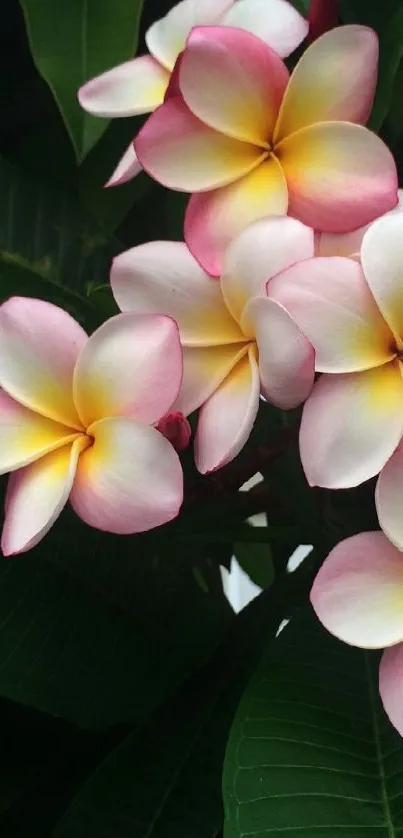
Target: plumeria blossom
column 250, row 141
column 358, row 596
column 352, row 423
column 236, row 342
column 76, row 417
column 138, row 86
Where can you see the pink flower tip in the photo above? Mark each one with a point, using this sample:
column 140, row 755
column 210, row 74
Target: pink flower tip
column 176, row 429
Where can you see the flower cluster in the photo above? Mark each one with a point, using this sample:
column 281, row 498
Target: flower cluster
column 289, row 285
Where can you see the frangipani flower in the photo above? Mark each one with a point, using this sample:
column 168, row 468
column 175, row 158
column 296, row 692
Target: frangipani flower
column 358, row 595
column 352, row 423
column 75, row 421
column 250, row 142
column 139, row 86
column 236, row 343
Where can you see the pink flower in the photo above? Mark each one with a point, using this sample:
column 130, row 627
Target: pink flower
column 138, row 86
column 250, row 142
column 352, row 423
column 236, row 343
column 76, row 416
column 358, row 596
column 348, row 244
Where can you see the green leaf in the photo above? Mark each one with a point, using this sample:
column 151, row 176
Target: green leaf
column 311, row 752
column 92, row 625
column 256, row 560
column 49, row 248
column 390, row 56
column 73, row 41
column 165, row 780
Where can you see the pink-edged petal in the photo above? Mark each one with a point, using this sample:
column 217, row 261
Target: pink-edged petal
column 233, row 82
column 36, row 496
column 204, row 368
column 214, row 219
column 259, row 252
column 127, row 168
column 389, row 498
column 130, row 480
column 382, row 262
column 25, row 436
column 286, row 358
column 349, row 244
column 334, row 80
column 164, row 277
column 391, row 685
column 39, row 347
column 332, row 304
column 339, row 176
column 131, row 366
column 350, row 426
column 135, row 87
column 227, row 418
column 358, row 592
column 166, row 38
column 275, row 22
column 180, row 152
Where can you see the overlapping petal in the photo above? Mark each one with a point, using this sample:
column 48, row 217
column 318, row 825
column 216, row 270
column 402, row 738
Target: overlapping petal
column 339, row 176
column 286, row 358
column 260, row 251
column 39, row 347
column 350, row 426
column 127, row 168
column 135, row 87
column 131, row 366
column 382, row 261
column 334, row 80
column 164, row 277
column 25, row 436
column 179, row 151
column 331, row 302
column 276, row 22
column 226, row 418
column 214, row 219
column 358, row 592
column 166, row 37
column 233, row 82
column 391, row 684
column 389, row 498
column 36, row 496
column 349, row 244
column 204, row 368
column 129, row 480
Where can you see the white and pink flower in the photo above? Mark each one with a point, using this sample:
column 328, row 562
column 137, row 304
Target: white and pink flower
column 236, row 343
column 138, row 86
column 76, row 421
column 250, row 141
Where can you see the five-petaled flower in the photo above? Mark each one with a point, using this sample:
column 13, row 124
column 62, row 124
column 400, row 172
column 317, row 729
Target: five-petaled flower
column 138, row 86
column 236, row 342
column 249, row 141
column 358, row 596
column 352, row 312
column 76, row 417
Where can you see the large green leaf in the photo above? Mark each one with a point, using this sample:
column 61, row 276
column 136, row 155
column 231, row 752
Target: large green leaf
column 311, row 752
column 73, row 41
column 391, row 53
column 98, row 629
column 49, row 248
column 165, row 781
